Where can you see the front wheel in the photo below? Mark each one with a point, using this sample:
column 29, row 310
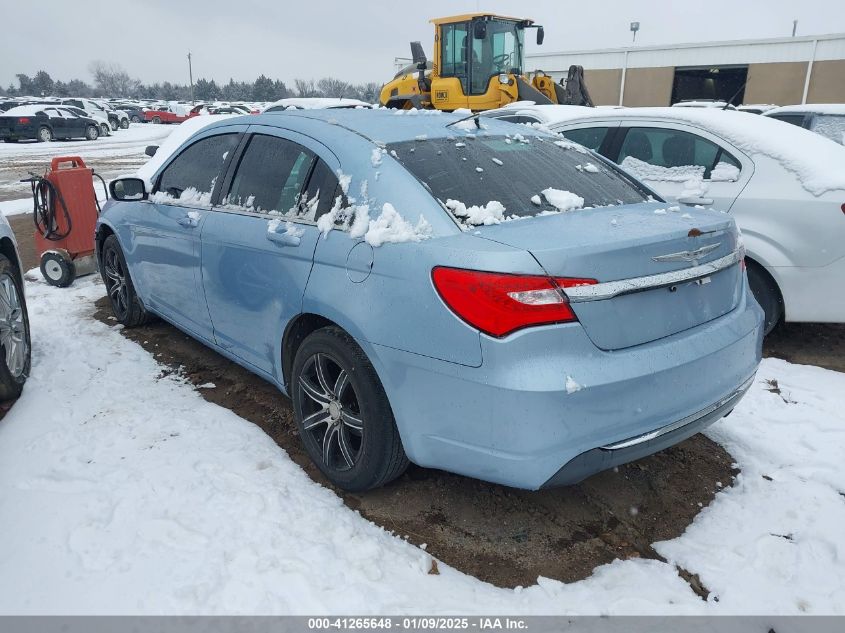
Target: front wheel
column 156, row 119
column 105, row 130
column 124, row 124
column 342, row 413
column 125, row 304
column 114, row 125
column 14, row 333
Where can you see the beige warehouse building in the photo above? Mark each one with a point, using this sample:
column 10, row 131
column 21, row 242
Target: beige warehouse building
column 782, row 71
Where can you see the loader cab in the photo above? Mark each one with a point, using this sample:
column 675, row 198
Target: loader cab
column 476, row 58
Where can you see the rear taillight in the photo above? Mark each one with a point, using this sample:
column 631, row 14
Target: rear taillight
column 498, row 304
column 23, row 121
column 843, row 207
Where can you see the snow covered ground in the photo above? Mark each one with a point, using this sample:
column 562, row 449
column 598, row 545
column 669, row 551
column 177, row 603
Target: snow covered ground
column 123, row 492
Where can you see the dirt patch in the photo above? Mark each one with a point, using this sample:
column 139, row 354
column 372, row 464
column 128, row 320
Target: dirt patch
column 500, row 535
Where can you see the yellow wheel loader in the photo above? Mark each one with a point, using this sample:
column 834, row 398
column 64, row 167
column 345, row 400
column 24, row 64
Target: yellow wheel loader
column 478, row 63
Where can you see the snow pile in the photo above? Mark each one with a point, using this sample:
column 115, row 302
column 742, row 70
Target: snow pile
column 190, row 196
column 377, row 155
column 290, row 229
column 724, row 172
column 491, row 213
column 572, row 386
column 392, row 227
column 563, row 201
column 646, row 171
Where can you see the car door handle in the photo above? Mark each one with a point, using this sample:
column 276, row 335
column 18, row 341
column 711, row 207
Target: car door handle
column 283, row 238
column 692, row 200
column 188, row 221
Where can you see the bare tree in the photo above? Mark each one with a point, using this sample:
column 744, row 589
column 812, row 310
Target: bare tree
column 111, row 80
column 306, row 88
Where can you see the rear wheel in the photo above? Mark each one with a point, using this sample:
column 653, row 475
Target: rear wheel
column 92, row 133
column 156, row 119
column 45, row 135
column 767, row 294
column 114, row 124
column 125, row 303
column 136, row 118
column 57, row 269
column 15, row 358
column 104, row 129
column 342, row 413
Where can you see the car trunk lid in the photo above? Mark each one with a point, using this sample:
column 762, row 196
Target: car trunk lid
column 660, row 271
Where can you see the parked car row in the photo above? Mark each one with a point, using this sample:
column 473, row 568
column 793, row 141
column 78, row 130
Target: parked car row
column 44, row 123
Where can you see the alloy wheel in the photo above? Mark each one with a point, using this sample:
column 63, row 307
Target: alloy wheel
column 115, row 279
column 12, row 326
column 331, row 412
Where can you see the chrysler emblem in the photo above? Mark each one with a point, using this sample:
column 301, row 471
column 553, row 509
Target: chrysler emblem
column 688, row 256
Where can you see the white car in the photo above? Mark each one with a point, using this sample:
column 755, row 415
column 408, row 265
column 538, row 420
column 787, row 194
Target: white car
column 91, row 110
column 784, row 186
column 827, row 119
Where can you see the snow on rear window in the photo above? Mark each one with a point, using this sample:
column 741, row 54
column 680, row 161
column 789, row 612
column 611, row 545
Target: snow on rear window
column 529, row 166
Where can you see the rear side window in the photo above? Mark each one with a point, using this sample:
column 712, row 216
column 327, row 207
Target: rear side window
column 323, row 188
column 830, row 125
column 514, row 172
column 676, row 154
column 197, row 167
column 519, row 118
column 270, row 175
column 589, row 137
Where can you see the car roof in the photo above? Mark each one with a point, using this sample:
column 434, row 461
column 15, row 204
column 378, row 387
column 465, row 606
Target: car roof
column 382, row 125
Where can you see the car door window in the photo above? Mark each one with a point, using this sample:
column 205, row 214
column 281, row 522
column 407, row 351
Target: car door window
column 270, row 176
column 830, row 125
column 794, row 119
column 519, row 118
column 320, row 194
column 589, row 137
column 191, row 176
column 652, row 153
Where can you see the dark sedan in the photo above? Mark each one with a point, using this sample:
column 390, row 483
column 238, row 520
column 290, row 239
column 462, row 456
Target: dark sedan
column 45, row 123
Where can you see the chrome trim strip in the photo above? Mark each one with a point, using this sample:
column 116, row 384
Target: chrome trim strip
column 645, row 437
column 610, row 289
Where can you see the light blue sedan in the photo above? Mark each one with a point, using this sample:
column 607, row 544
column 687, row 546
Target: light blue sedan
column 471, row 296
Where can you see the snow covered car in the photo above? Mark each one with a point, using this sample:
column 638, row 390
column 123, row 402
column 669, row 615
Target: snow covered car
column 784, row 186
column 118, row 119
column 827, row 119
column 15, row 347
column 92, row 110
column 44, row 123
column 502, row 305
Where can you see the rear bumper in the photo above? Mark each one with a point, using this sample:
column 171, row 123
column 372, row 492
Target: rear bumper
column 513, row 421
column 604, row 457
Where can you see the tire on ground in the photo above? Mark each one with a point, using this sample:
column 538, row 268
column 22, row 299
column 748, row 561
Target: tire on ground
column 112, row 261
column 11, row 384
column 381, row 457
column 57, row 269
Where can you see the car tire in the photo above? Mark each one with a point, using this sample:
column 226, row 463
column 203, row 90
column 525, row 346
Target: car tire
column 338, row 398
column 92, row 132
column 114, row 125
column 105, row 130
column 16, row 352
column 767, row 294
column 45, row 135
column 136, row 119
column 57, row 269
column 124, row 124
column 125, row 304
column 156, row 119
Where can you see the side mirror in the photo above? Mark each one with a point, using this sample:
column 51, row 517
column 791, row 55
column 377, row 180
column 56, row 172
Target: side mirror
column 479, row 29
column 151, row 150
column 541, row 34
column 127, row 189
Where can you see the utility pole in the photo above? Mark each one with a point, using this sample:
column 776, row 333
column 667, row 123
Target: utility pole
column 794, row 27
column 191, row 77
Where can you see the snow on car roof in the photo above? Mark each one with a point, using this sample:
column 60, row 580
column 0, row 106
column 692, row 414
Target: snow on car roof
column 28, row 110
column 311, row 103
column 818, row 163
column 816, row 108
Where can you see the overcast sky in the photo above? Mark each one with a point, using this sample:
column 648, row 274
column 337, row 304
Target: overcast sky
column 354, row 40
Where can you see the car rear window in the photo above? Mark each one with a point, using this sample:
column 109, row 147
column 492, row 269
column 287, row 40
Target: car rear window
column 513, row 171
